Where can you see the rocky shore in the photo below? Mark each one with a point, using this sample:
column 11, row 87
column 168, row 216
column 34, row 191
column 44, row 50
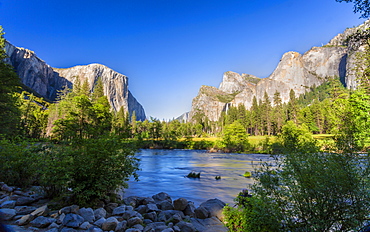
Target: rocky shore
column 30, row 211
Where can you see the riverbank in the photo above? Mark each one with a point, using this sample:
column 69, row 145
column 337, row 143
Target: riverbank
column 30, row 211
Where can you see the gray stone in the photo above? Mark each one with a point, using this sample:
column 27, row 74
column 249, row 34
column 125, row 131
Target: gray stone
column 99, row 213
column 85, row 226
column 95, row 229
column 8, row 204
column 129, row 214
column 141, row 209
column 6, row 188
column 180, row 204
column 212, row 224
column 6, row 198
column 41, row 211
column 132, row 201
column 7, row 214
column 61, row 218
column 121, row 226
column 168, row 230
column 73, row 220
column 186, row 226
column 152, row 207
column 110, row 224
column 133, row 230
column 168, row 214
column 162, row 197
column 190, row 209
column 148, row 200
column 155, row 226
column 22, row 210
column 42, row 222
column 110, row 207
column 25, row 219
column 53, row 225
column 119, row 210
column 139, row 227
column 53, row 230
column 214, row 207
column 133, row 221
column 151, row 215
column 201, row 212
column 99, row 222
column 87, row 214
column 24, row 201
column 165, row 205
column 67, row 229
column 69, row 209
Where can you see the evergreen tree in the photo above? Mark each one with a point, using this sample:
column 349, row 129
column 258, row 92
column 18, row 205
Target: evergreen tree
column 9, row 84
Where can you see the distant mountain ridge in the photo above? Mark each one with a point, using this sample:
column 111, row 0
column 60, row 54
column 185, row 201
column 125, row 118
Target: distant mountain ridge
column 47, row 81
column 295, row 71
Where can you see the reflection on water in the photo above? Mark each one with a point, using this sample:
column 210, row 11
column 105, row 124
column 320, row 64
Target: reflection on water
column 165, row 171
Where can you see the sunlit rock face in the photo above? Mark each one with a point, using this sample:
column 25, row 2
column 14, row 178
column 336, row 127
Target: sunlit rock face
column 47, row 81
column 295, row 71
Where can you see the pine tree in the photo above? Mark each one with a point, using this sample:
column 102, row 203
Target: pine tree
column 9, row 84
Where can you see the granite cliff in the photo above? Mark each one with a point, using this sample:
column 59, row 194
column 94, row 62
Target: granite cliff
column 47, row 81
column 294, row 71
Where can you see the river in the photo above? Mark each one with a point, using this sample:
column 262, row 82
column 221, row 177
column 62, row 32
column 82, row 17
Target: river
column 165, row 171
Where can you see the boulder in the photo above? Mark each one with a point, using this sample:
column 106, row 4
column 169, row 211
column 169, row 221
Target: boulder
column 180, row 204
column 42, row 222
column 212, row 224
column 99, row 213
column 121, row 226
column 151, row 216
column 41, row 211
column 133, row 221
column 162, row 197
column 152, row 207
column 119, row 210
column 7, row 214
column 85, row 226
column 155, row 226
column 23, row 210
column 186, row 226
column 214, row 207
column 73, row 220
column 190, row 209
column 25, row 219
column 6, row 188
column 165, row 205
column 99, row 222
column 8, row 204
column 69, row 209
column 141, row 209
column 110, row 207
column 87, row 214
column 201, row 212
column 110, row 224
column 24, row 200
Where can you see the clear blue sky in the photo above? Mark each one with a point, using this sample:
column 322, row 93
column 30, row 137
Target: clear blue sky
column 169, row 48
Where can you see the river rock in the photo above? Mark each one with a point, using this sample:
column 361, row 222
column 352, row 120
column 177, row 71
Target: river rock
column 23, row 210
column 155, row 226
column 8, row 204
column 7, row 214
column 208, row 225
column 99, row 222
column 42, row 222
column 41, row 211
column 152, row 207
column 110, row 224
column 180, row 204
column 190, row 209
column 151, row 216
column 6, row 188
column 85, row 226
column 165, row 205
column 186, row 226
column 69, row 209
column 133, row 221
column 25, row 219
column 162, row 196
column 24, row 201
column 214, row 207
column 73, row 220
column 87, row 214
column 99, row 213
column 119, row 210
column 121, row 226
column 201, row 212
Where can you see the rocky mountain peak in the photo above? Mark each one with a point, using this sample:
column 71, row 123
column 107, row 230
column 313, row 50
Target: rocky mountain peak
column 47, row 81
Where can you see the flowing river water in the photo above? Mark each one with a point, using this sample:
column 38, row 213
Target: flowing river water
column 166, row 171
